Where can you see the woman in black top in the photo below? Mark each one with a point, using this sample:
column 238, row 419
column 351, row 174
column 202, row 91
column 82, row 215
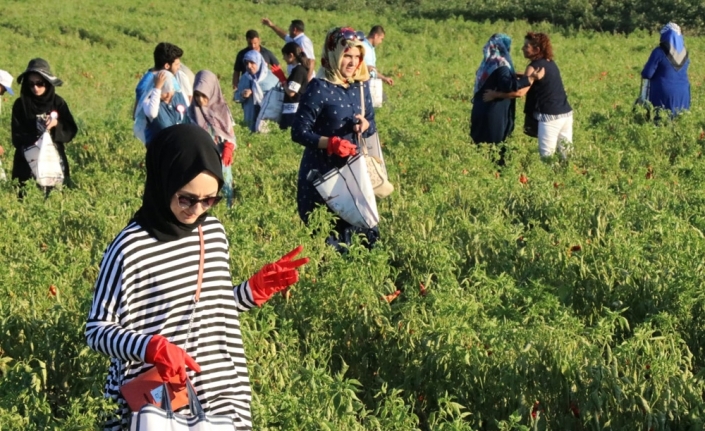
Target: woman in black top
column 546, row 101
column 40, row 109
column 295, row 56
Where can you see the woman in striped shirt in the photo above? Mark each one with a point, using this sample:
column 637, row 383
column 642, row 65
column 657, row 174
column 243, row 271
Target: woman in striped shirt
column 146, row 310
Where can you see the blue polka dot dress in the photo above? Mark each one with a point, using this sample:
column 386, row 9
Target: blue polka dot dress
column 328, row 110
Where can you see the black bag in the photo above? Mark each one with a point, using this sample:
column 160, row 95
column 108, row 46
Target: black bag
column 531, row 125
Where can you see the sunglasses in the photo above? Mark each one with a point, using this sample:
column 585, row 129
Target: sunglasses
column 345, row 33
column 186, row 202
column 39, row 84
column 348, row 33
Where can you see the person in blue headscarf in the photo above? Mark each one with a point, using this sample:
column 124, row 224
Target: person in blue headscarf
column 493, row 121
column 253, row 86
column 667, row 72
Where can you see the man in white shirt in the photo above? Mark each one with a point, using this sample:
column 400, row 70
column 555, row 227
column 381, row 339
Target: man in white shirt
column 374, row 39
column 296, row 34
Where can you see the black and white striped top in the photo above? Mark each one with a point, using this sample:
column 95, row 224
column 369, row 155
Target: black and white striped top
column 146, row 287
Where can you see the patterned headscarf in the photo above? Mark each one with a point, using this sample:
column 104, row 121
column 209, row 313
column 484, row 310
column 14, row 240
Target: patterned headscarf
column 217, row 114
column 673, row 44
column 338, row 41
column 497, row 53
column 259, row 76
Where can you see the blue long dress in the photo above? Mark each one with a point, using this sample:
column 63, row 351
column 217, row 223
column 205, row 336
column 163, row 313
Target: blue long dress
column 492, row 122
column 669, row 85
column 328, row 110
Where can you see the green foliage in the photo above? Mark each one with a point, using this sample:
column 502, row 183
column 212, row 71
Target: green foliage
column 623, row 16
column 570, row 302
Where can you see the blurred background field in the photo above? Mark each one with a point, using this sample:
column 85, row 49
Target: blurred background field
column 574, row 301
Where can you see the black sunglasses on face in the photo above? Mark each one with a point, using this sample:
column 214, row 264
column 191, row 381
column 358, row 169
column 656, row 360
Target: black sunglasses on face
column 189, row 202
column 40, row 84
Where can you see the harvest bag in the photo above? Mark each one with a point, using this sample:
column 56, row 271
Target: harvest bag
column 348, row 192
column 377, row 92
column 44, row 161
column 140, row 126
column 644, row 94
column 372, row 150
column 152, row 418
column 148, row 388
column 271, row 109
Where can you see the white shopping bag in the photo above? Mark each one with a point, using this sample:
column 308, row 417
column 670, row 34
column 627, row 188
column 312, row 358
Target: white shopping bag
column 152, row 418
column 271, row 110
column 377, row 92
column 348, row 192
column 45, row 162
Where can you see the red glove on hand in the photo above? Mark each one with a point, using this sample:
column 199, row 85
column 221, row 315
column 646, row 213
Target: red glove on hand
column 169, row 359
column 228, row 148
column 277, row 276
column 341, row 147
column 277, row 71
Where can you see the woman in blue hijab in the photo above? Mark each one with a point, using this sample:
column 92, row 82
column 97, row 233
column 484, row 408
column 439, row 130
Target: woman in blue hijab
column 667, row 72
column 493, row 121
column 253, row 86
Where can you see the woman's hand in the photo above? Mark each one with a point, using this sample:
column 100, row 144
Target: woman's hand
column 490, row 95
column 160, row 79
column 246, row 93
column 51, row 123
column 52, row 120
column 340, row 147
column 538, row 73
column 361, row 124
column 169, row 359
column 276, row 276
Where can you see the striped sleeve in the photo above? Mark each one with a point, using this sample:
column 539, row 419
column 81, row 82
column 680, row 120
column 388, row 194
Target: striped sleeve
column 103, row 330
column 243, row 296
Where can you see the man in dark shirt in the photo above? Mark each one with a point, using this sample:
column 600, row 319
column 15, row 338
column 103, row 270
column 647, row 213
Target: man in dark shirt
column 253, row 42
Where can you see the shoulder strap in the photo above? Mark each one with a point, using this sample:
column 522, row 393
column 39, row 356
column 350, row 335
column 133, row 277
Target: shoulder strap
column 362, row 97
column 201, row 262
column 360, row 141
column 197, row 295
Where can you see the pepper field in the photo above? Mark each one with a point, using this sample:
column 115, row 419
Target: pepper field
column 572, row 301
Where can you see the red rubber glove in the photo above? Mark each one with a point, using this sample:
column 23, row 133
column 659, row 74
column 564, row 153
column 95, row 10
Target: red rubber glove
column 277, row 71
column 169, row 359
column 228, row 148
column 341, row 147
column 277, row 276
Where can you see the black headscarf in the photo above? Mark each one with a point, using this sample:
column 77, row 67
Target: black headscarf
column 37, row 105
column 175, row 157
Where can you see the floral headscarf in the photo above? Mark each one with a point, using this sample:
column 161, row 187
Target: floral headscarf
column 497, row 53
column 338, row 41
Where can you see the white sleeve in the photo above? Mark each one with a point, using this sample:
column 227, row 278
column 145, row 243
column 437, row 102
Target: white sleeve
column 307, row 46
column 150, row 105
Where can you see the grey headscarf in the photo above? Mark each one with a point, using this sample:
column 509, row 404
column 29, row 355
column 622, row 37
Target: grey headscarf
column 217, row 114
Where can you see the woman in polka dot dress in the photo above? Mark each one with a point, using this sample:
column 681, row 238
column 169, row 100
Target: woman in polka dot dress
column 329, row 118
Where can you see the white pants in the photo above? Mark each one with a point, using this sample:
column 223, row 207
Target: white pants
column 555, row 133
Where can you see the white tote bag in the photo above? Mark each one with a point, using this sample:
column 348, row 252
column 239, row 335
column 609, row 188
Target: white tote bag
column 45, row 162
column 377, row 92
column 348, row 192
column 271, row 110
column 152, row 418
